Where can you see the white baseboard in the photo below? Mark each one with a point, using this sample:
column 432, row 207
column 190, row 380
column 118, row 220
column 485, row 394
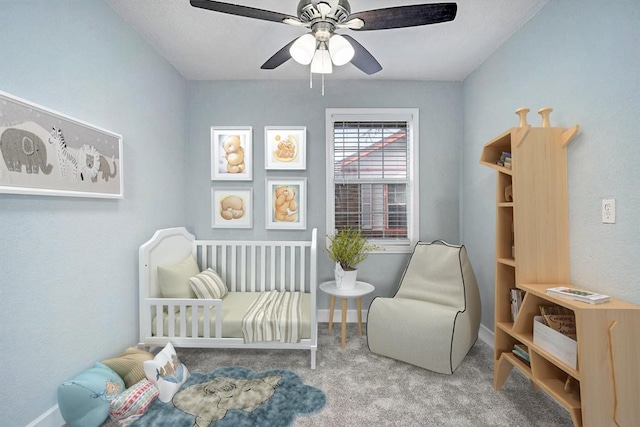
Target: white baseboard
column 486, row 335
column 51, row 418
column 352, row 316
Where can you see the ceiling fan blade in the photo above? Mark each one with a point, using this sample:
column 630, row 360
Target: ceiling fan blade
column 362, row 59
column 406, row 16
column 249, row 12
column 278, row 58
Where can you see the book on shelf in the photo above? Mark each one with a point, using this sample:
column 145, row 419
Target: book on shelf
column 522, row 351
column 505, row 160
column 578, row 295
column 516, row 296
column 560, row 319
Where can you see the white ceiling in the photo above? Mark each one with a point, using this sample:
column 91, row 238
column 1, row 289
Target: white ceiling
column 206, row 45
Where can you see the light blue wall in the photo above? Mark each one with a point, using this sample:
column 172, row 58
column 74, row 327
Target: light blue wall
column 68, row 266
column 260, row 103
column 583, row 59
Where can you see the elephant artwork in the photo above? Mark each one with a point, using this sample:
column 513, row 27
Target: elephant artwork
column 20, row 147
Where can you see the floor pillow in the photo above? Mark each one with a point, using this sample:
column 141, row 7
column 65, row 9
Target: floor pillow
column 84, row 401
column 133, row 402
column 129, row 365
column 166, row 372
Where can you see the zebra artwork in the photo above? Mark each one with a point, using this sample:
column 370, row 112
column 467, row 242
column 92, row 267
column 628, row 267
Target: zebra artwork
column 65, row 158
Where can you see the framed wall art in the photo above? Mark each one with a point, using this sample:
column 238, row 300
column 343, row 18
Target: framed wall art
column 231, row 208
column 49, row 153
column 231, row 153
column 285, row 147
column 286, row 204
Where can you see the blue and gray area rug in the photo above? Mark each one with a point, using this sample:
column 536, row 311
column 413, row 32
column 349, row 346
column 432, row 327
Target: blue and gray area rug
column 236, row 396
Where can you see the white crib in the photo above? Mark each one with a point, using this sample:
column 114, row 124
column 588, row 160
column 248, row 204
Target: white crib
column 248, row 267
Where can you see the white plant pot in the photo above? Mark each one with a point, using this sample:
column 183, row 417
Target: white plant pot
column 345, row 279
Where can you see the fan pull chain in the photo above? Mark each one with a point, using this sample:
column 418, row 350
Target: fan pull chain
column 311, row 81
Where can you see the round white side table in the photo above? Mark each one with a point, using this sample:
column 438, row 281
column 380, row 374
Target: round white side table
column 358, row 291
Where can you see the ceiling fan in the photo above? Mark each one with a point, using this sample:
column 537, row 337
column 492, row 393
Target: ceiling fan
column 322, row 47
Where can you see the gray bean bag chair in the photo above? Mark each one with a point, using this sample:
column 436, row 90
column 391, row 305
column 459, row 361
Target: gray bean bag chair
column 433, row 319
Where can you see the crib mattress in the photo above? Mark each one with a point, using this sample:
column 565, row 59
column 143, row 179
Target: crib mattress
column 234, row 307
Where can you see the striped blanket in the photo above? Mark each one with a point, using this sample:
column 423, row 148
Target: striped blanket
column 274, row 316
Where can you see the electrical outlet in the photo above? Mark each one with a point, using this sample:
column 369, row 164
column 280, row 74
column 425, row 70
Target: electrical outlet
column 608, row 211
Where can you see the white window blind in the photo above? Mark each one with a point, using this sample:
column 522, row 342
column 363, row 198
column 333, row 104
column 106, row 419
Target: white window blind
column 371, row 177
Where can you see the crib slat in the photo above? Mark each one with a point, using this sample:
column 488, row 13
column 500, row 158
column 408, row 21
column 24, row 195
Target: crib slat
column 195, row 312
column 183, row 321
column 171, row 323
column 303, row 269
column 234, row 268
column 263, row 268
column 243, row 267
column 159, row 325
column 203, row 257
column 206, row 322
column 252, row 267
column 283, row 258
column 272, row 264
column 292, row 268
column 223, row 265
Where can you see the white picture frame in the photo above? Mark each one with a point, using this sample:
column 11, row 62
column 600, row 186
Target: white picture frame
column 286, row 204
column 231, row 208
column 48, row 153
column 231, row 153
column 285, row 147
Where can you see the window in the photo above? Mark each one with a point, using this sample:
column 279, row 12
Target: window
column 372, row 174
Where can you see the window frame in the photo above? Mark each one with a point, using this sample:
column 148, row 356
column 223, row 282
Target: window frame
column 412, row 118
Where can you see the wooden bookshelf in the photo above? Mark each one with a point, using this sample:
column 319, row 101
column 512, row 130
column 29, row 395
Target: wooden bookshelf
column 532, row 253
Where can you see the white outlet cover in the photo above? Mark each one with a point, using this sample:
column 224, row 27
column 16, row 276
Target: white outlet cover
column 608, row 211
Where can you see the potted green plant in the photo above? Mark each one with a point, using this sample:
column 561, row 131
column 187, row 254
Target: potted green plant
column 347, row 248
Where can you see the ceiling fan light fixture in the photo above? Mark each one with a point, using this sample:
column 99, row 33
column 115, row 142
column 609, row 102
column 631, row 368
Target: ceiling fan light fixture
column 324, row 8
column 340, row 50
column 302, row 50
column 321, row 63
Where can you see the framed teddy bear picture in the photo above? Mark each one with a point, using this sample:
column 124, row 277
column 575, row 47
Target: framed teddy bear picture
column 286, row 204
column 231, row 208
column 285, row 147
column 231, row 149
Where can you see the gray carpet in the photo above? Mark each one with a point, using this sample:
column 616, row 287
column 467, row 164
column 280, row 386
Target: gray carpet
column 364, row 389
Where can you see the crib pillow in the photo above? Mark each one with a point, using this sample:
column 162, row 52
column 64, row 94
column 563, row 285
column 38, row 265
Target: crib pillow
column 166, row 372
column 174, row 279
column 208, row 285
